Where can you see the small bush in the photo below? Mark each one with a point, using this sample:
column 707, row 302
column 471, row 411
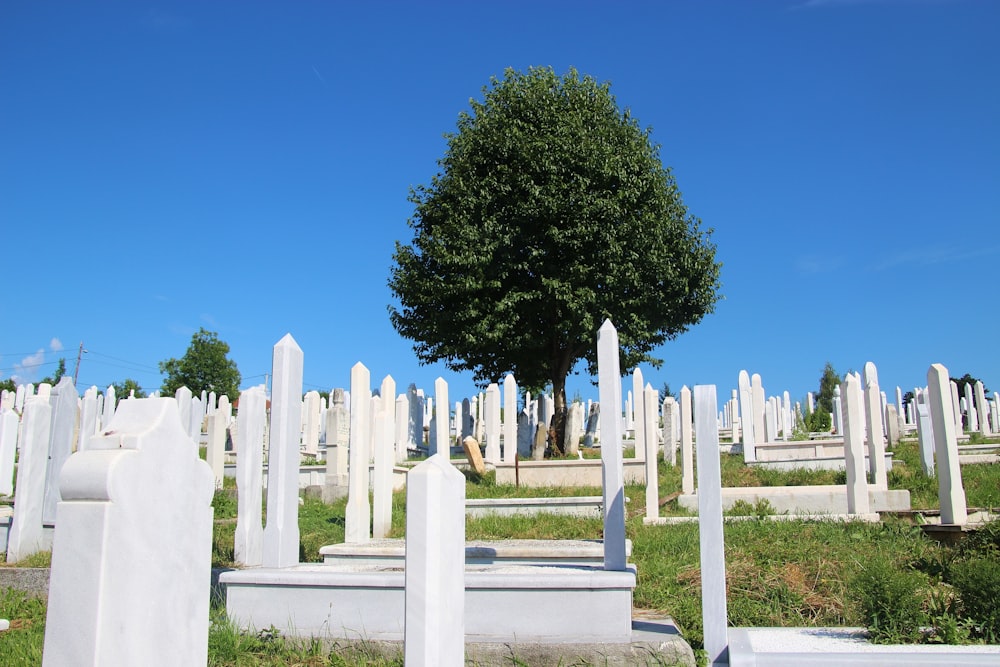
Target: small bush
column 890, row 602
column 977, row 582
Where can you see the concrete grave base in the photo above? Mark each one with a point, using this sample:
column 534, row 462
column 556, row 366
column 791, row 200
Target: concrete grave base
column 565, row 472
column 504, row 603
column 818, row 463
column 793, row 647
column 817, row 499
column 392, row 552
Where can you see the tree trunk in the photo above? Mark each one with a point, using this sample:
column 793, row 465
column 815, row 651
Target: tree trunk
column 557, row 429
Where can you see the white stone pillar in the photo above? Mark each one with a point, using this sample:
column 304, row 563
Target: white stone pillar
column 63, row 400
column 251, row 423
column 509, row 418
column 402, row 437
column 492, row 423
column 712, row 541
column 950, row 491
column 639, row 413
column 384, row 458
column 854, row 447
column 925, row 433
column 651, row 399
column 281, row 533
column 435, row 563
column 25, row 535
column 669, row 443
column 610, row 392
column 687, row 444
column 357, row 520
column 873, row 416
column 749, row 438
column 8, row 448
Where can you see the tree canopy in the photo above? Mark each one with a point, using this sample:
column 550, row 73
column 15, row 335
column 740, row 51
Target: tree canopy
column 968, row 379
column 551, row 212
column 204, row 366
column 828, row 381
column 126, row 387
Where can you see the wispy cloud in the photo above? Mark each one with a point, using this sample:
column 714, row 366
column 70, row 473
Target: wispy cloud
column 818, row 4
column 320, row 76
column 209, row 320
column 931, row 255
column 27, row 369
column 55, row 345
column 813, row 264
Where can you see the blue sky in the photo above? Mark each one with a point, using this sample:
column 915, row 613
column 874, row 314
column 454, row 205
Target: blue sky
column 244, row 167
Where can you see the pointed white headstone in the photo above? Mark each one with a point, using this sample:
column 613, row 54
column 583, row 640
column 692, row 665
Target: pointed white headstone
column 281, row 533
column 854, row 447
column 251, row 420
column 357, row 521
column 950, row 491
column 610, row 389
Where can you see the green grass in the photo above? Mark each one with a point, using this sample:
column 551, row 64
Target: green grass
column 22, row 643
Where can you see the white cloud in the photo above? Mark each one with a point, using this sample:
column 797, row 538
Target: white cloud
column 55, row 345
column 27, row 369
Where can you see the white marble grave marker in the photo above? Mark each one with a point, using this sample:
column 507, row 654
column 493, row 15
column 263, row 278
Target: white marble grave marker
column 281, row 533
column 435, row 562
column 25, row 536
column 854, row 447
column 950, row 491
column 357, row 522
column 251, row 422
column 651, row 399
column 873, row 416
column 610, row 391
column 711, row 539
column 509, row 418
column 131, row 559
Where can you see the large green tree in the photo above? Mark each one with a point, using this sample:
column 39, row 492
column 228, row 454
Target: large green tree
column 204, row 366
column 126, row 387
column 551, row 212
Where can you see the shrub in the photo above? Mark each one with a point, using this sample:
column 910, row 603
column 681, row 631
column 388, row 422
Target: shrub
column 890, row 602
column 977, row 581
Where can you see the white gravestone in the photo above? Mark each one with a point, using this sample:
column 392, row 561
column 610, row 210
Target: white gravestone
column 384, row 454
column 687, row 448
column 441, row 435
column 713, row 559
column 492, row 428
column 758, row 397
column 854, row 447
column 669, row 443
column 310, row 422
column 435, row 562
column 950, row 491
column 183, row 398
column 8, row 448
column 981, row 409
column 387, row 392
column 873, row 416
column 131, row 560
column 63, row 400
column 402, row 424
column 574, row 429
column 651, row 400
column 610, row 391
column 749, row 438
column 509, row 418
column 109, row 407
column 251, row 418
column 281, row 532
column 215, row 445
column 88, row 419
column 639, row 415
column 925, row 433
column 357, row 520
column 25, row 535
column 338, row 433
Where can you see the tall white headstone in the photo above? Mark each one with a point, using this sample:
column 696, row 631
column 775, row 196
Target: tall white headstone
column 441, row 435
column 750, row 439
column 687, row 444
column 713, row 559
column 88, row 419
column 951, row 493
column 281, row 533
column 876, row 436
column 385, row 456
column 64, row 401
column 492, row 423
column 131, row 557
column 650, row 424
column 610, row 391
column 669, row 442
column 925, row 433
column 310, row 422
column 509, row 418
column 25, row 535
column 8, row 448
column 639, row 412
column 251, row 420
column 981, row 409
column 435, row 561
column 357, row 521
column 854, row 447
column 109, row 407
column 402, row 437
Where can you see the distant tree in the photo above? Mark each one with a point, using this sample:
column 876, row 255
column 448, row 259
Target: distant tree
column 551, row 213
column 204, row 366
column 908, row 398
column 828, row 381
column 665, row 391
column 55, row 377
column 968, row 379
column 8, row 385
column 126, row 386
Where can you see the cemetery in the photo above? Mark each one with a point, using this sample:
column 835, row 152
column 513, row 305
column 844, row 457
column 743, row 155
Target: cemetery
column 399, row 525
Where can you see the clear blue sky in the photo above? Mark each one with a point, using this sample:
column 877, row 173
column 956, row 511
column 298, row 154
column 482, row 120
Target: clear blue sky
column 244, row 167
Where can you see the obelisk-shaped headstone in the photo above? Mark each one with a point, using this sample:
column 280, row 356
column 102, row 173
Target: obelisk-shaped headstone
column 610, row 390
column 64, row 401
column 854, row 447
column 950, row 490
column 251, row 417
column 357, row 522
column 281, row 533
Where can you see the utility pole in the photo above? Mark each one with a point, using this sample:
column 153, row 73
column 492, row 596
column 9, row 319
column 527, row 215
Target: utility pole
column 76, row 371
